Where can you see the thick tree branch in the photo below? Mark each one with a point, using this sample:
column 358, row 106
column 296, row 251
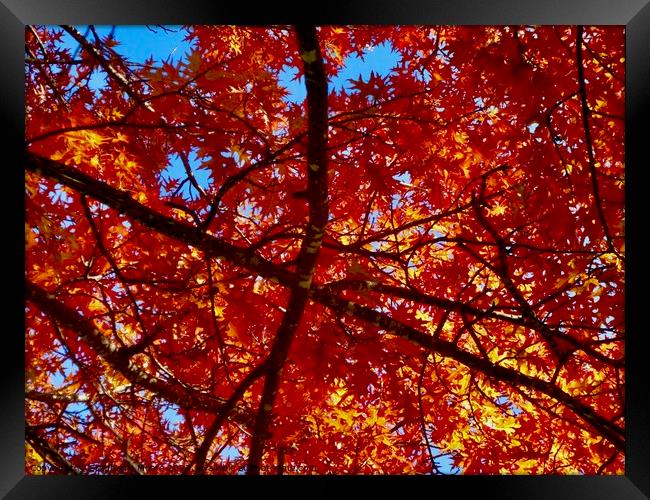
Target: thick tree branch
column 316, row 83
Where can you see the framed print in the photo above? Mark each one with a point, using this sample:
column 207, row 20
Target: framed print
column 366, row 243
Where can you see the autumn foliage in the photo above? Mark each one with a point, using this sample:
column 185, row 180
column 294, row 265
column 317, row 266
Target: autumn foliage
column 418, row 272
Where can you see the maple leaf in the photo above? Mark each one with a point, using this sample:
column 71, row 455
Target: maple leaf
column 497, row 209
column 376, row 86
column 423, row 315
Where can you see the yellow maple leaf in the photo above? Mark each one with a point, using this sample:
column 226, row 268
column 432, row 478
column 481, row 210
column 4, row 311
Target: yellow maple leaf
column 423, row 315
column 92, row 138
column 526, row 466
column 498, row 209
column 600, row 103
column 460, row 137
column 346, row 419
column 46, row 276
column 235, row 44
column 505, row 423
column 96, row 305
column 374, row 419
column 337, row 395
column 120, row 137
column 141, row 197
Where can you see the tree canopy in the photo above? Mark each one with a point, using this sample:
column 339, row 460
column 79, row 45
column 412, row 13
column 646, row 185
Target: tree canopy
column 418, row 271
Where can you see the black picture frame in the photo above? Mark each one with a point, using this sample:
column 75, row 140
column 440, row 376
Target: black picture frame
column 16, row 14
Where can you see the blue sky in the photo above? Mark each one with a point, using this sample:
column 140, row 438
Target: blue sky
column 141, row 42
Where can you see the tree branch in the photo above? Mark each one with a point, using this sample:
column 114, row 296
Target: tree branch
column 588, row 141
column 316, row 83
